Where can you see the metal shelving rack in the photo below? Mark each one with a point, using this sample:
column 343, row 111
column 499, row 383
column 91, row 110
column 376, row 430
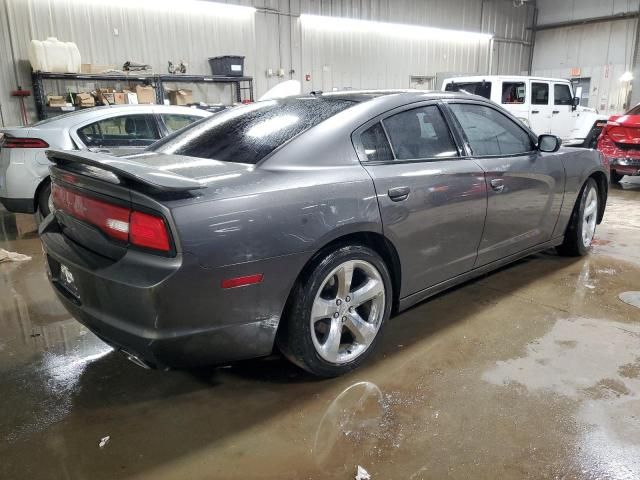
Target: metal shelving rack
column 153, row 79
column 236, row 82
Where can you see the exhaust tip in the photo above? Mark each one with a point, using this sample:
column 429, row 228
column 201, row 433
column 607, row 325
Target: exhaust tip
column 137, row 360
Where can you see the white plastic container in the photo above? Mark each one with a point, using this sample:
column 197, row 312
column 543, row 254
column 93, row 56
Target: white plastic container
column 52, row 55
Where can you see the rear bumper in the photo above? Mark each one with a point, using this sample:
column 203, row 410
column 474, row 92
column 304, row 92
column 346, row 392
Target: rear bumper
column 18, row 205
column 19, row 182
column 625, row 166
column 169, row 312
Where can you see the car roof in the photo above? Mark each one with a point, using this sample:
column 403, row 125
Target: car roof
column 400, row 95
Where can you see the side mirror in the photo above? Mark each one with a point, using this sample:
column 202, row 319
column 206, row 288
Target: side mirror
column 549, row 143
column 575, row 103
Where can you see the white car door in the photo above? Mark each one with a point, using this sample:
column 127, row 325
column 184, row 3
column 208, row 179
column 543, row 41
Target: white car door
column 540, row 107
column 562, row 115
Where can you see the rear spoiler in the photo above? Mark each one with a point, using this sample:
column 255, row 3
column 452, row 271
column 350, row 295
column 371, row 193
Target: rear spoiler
column 155, row 178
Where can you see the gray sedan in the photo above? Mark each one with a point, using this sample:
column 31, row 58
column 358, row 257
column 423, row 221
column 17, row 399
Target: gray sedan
column 305, row 222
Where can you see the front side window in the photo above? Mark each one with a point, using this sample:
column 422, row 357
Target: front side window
column 490, row 132
column 248, row 134
column 513, row 92
column 375, row 144
column 539, row 93
column 562, row 94
column 420, row 133
column 125, row 130
column 176, row 121
column 472, row 88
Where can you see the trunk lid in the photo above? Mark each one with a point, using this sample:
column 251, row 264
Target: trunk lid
column 99, row 199
column 624, row 130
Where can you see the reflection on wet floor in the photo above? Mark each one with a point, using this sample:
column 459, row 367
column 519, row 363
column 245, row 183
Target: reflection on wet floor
column 531, row 371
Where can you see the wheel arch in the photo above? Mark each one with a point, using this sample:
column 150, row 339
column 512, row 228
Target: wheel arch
column 43, row 183
column 373, row 240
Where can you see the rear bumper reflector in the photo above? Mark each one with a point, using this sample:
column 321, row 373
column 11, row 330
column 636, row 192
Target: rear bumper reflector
column 242, row 281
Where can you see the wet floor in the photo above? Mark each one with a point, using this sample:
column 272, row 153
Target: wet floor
column 529, row 372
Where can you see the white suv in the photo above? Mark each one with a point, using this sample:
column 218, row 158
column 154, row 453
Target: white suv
column 546, row 105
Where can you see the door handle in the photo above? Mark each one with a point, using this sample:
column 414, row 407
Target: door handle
column 533, row 112
column 398, row 194
column 555, row 111
column 497, row 184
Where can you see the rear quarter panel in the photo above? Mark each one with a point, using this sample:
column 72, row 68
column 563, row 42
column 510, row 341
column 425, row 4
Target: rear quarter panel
column 579, row 164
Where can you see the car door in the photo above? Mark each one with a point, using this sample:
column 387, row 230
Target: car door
column 119, row 134
column 525, row 187
column 432, row 201
column 562, row 115
column 541, row 108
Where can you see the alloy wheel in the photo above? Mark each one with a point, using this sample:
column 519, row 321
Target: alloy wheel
column 589, row 217
column 347, row 311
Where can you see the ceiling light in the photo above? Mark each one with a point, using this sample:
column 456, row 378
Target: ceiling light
column 201, row 7
column 340, row 24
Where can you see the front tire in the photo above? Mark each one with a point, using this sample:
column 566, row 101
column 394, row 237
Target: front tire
column 336, row 311
column 582, row 225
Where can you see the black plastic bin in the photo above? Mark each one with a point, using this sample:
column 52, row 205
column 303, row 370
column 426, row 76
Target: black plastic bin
column 227, row 65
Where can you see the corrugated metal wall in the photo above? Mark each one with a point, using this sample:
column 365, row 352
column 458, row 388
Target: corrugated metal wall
column 273, row 37
column 558, row 11
column 602, row 51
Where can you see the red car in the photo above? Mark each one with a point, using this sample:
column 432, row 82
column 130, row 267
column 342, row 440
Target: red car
column 619, row 142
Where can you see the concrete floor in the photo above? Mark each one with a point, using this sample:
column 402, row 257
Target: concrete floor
column 530, row 372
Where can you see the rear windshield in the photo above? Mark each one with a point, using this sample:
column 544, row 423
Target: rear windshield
column 634, row 111
column 473, row 88
column 250, row 133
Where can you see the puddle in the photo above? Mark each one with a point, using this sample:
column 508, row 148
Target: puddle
column 597, row 364
column 631, row 298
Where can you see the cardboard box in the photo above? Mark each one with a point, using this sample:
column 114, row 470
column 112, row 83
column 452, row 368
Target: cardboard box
column 131, row 98
column 106, row 96
column 56, row 101
column 95, row 68
column 146, row 94
column 180, row 97
column 119, row 98
column 85, row 100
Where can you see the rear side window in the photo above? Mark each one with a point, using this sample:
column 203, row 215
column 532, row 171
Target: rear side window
column 562, row 94
column 125, row 130
column 513, row 92
column 539, row 93
column 175, row 121
column 472, row 88
column 376, row 146
column 250, row 133
column 420, row 133
column 489, row 132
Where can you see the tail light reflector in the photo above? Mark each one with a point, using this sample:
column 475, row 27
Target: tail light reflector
column 120, row 223
column 9, row 141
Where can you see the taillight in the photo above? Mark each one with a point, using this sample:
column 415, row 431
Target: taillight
column 9, row 141
column 120, row 223
column 148, row 231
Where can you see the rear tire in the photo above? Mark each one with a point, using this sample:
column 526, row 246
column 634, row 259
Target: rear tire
column 616, row 177
column 582, row 225
column 336, row 312
column 44, row 200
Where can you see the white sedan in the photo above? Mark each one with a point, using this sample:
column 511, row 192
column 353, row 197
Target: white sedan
column 24, row 167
